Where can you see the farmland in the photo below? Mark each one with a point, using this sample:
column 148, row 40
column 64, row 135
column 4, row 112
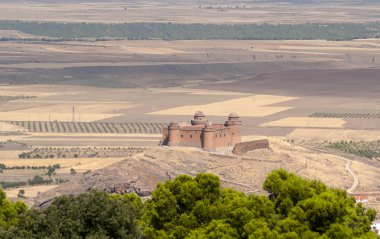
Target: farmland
column 90, row 127
column 81, row 109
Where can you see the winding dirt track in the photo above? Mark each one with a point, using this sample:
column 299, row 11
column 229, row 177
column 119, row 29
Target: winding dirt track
column 356, row 180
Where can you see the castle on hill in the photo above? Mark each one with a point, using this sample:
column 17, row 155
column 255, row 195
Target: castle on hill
column 203, row 134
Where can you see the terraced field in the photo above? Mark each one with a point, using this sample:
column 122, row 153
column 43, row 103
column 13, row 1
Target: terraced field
column 90, row 127
column 345, row 115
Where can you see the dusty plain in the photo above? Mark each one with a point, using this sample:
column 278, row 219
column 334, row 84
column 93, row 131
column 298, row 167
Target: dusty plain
column 187, row 11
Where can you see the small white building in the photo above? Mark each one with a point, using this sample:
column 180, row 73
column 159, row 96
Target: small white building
column 376, row 227
column 361, row 199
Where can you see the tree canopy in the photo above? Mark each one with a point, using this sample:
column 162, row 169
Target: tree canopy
column 197, row 207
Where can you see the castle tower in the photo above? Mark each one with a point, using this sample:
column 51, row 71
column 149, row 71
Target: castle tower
column 174, row 134
column 208, row 138
column 234, row 124
column 199, row 119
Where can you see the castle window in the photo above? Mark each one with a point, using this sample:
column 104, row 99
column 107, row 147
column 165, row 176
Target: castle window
column 233, row 133
column 191, row 136
column 220, row 136
column 181, row 135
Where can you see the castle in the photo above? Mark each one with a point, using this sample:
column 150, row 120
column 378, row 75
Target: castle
column 203, row 134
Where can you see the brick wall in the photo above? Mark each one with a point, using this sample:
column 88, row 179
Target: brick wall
column 244, row 147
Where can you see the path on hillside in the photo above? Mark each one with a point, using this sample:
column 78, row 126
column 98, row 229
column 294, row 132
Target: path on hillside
column 347, row 167
column 356, row 180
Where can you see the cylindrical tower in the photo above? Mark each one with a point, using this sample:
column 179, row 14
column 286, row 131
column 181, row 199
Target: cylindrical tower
column 199, row 119
column 208, row 138
column 234, row 124
column 174, row 134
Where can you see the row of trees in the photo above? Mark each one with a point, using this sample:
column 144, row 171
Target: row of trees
column 366, row 149
column 197, row 208
column 174, row 31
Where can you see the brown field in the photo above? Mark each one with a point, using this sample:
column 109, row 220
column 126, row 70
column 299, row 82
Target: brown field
column 189, row 12
column 179, row 63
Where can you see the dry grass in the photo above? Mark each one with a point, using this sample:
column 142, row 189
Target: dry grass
column 29, row 191
column 335, row 134
column 10, row 158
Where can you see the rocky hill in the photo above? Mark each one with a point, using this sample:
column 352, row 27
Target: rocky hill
column 141, row 173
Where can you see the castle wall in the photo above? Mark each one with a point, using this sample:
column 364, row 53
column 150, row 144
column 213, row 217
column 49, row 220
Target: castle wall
column 190, row 138
column 235, row 134
column 242, row 148
column 203, row 135
column 222, row 138
column 165, row 136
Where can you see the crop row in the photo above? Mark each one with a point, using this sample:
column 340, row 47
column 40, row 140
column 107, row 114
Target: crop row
column 345, row 115
column 5, row 98
column 77, row 152
column 90, row 127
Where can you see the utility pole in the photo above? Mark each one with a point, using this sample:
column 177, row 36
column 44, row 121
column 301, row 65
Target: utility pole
column 73, row 114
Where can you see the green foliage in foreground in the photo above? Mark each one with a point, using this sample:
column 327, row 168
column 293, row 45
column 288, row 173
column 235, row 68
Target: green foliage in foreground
column 197, row 208
column 364, row 149
column 174, row 31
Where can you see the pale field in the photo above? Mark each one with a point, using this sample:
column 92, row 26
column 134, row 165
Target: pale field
column 345, row 53
column 335, row 134
column 60, row 110
column 189, row 12
column 137, row 135
column 29, row 191
column 21, row 116
column 5, row 127
column 306, row 122
column 196, row 91
column 84, row 111
column 251, row 106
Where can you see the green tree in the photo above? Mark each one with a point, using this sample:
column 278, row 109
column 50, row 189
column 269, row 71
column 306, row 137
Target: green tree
column 73, row 171
column 21, row 193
